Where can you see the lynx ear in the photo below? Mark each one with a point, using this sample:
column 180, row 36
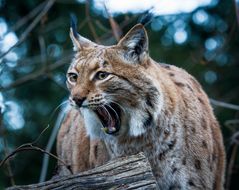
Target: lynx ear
column 79, row 42
column 135, row 42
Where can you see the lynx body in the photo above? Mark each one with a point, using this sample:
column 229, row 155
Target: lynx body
column 127, row 103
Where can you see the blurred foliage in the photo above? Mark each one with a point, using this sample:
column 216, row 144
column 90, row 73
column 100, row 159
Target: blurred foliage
column 204, row 42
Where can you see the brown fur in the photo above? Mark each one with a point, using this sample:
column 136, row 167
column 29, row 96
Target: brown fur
column 175, row 126
column 75, row 147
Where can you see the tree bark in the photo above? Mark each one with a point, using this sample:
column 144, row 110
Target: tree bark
column 132, row 172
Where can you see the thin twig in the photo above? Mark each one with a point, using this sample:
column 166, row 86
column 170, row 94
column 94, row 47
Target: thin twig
column 60, row 22
column 235, row 138
column 63, row 86
column 91, row 27
column 116, row 30
column 224, row 104
column 42, row 45
column 82, row 24
column 30, row 27
column 232, row 125
column 37, row 74
column 101, row 26
column 232, row 122
column 236, row 3
column 28, row 17
column 30, row 147
column 122, row 25
column 34, row 60
column 39, row 136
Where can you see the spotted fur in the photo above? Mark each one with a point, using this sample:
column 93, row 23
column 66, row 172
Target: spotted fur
column 164, row 113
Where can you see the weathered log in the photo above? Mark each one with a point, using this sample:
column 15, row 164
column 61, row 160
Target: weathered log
column 132, row 172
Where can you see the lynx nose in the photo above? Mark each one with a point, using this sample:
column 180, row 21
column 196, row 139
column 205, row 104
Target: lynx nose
column 79, row 101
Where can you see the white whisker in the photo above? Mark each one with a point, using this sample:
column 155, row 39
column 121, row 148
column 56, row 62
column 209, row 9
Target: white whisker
column 54, row 111
column 112, row 94
column 107, row 112
column 114, row 111
column 118, row 105
column 65, row 102
column 114, row 101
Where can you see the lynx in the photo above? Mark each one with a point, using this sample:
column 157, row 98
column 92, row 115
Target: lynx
column 123, row 103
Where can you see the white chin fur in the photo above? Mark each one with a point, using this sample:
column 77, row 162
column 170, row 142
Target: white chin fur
column 92, row 124
column 136, row 127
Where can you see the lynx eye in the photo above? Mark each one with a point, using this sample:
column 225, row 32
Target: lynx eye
column 101, row 75
column 72, row 77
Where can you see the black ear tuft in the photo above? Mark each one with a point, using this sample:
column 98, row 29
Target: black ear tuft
column 146, row 18
column 74, row 24
column 79, row 42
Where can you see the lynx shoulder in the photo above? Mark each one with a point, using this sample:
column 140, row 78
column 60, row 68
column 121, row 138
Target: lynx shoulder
column 128, row 103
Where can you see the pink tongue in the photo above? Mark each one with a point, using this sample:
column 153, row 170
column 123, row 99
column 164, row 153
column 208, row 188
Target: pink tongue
column 111, row 126
column 103, row 113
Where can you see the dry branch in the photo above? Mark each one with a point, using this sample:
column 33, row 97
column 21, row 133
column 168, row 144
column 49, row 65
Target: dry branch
column 29, row 147
column 130, row 172
column 116, row 30
column 28, row 17
column 90, row 24
column 30, row 27
column 224, row 104
column 40, row 72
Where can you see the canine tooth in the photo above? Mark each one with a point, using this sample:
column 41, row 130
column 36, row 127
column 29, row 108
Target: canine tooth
column 105, row 129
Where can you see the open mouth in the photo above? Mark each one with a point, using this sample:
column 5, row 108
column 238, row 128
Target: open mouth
column 109, row 115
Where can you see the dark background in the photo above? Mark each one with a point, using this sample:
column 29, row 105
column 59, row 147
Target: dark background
column 204, row 42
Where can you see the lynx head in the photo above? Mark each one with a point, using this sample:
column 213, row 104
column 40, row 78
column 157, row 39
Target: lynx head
column 110, row 84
